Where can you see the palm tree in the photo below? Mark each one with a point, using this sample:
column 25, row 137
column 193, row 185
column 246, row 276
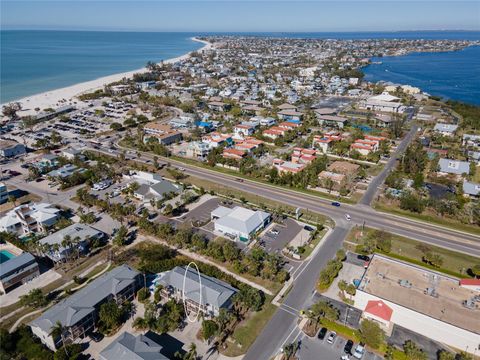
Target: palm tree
column 192, row 352
column 66, row 244
column 57, row 331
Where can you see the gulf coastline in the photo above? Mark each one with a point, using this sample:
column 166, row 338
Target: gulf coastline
column 61, row 87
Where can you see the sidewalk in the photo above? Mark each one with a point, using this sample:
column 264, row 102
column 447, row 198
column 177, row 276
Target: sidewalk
column 205, row 260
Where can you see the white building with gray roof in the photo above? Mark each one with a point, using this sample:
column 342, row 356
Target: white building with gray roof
column 202, row 293
column 238, row 222
column 78, row 313
column 471, row 189
column 17, row 271
column 129, row 347
column 445, row 129
column 80, row 234
column 456, row 167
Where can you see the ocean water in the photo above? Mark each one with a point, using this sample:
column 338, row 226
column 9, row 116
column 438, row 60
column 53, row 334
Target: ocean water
column 37, row 61
column 451, row 75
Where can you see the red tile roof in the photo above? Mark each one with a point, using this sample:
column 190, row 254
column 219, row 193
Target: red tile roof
column 470, row 282
column 379, row 309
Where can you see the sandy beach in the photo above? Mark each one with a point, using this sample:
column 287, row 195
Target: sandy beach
column 65, row 96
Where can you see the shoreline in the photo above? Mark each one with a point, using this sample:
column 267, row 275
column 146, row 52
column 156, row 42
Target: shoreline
column 419, row 83
column 65, row 96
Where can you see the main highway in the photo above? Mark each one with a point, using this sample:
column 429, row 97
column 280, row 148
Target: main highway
column 282, row 327
column 360, row 214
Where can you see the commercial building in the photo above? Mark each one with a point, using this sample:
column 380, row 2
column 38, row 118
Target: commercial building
column 78, row 313
column 202, row 293
column 239, row 223
column 81, row 235
column 163, row 133
column 17, row 271
column 30, row 218
column 383, row 102
column 10, row 148
column 444, row 308
column 130, row 347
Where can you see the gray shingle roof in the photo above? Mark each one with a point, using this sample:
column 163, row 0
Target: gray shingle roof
column 81, row 231
column 471, row 188
column 214, row 292
column 21, row 261
column 454, row 166
column 77, row 306
column 130, row 347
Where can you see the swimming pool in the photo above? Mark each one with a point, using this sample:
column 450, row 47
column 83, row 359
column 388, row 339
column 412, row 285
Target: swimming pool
column 5, row 256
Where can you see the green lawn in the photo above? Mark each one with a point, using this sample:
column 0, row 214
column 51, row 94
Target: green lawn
column 249, row 329
column 454, row 263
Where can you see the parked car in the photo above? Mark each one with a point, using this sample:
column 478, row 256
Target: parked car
column 97, row 337
column 274, row 232
column 335, row 203
column 322, row 333
column 363, row 257
column 348, row 347
column 359, row 351
column 331, row 337
column 345, row 357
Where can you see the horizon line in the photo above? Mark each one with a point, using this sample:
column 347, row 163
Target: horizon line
column 21, row 28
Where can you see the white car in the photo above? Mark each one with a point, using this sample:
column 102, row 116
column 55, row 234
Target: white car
column 345, row 357
column 331, row 337
column 359, row 351
column 348, row 217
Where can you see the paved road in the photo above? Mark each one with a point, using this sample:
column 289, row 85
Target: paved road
column 283, row 325
column 284, row 321
column 360, row 214
column 380, row 178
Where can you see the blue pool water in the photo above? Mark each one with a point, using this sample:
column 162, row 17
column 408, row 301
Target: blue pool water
column 5, row 256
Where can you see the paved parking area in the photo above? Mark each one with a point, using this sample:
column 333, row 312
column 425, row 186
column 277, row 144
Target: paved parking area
column 274, row 243
column 202, row 212
column 315, row 349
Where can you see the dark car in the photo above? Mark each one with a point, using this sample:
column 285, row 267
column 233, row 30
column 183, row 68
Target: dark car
column 348, row 347
column 322, row 333
column 335, row 203
column 97, row 337
column 39, row 180
column 363, row 257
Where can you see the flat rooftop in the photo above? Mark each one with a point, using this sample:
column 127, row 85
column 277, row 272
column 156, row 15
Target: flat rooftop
column 410, row 286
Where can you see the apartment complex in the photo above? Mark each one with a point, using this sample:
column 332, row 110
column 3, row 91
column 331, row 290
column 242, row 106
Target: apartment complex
column 203, row 293
column 79, row 312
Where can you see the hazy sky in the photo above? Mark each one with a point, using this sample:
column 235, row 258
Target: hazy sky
column 204, row 16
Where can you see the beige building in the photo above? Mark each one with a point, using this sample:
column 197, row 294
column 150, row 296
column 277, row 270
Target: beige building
column 421, row 300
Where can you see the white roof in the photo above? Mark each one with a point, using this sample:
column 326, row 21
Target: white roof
column 240, row 219
column 384, row 97
column 41, row 212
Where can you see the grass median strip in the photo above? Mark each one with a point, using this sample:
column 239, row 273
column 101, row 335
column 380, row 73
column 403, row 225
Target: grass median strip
column 454, row 263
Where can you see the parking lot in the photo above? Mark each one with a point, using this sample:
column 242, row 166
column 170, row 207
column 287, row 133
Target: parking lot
column 315, row 349
column 202, row 212
column 278, row 236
